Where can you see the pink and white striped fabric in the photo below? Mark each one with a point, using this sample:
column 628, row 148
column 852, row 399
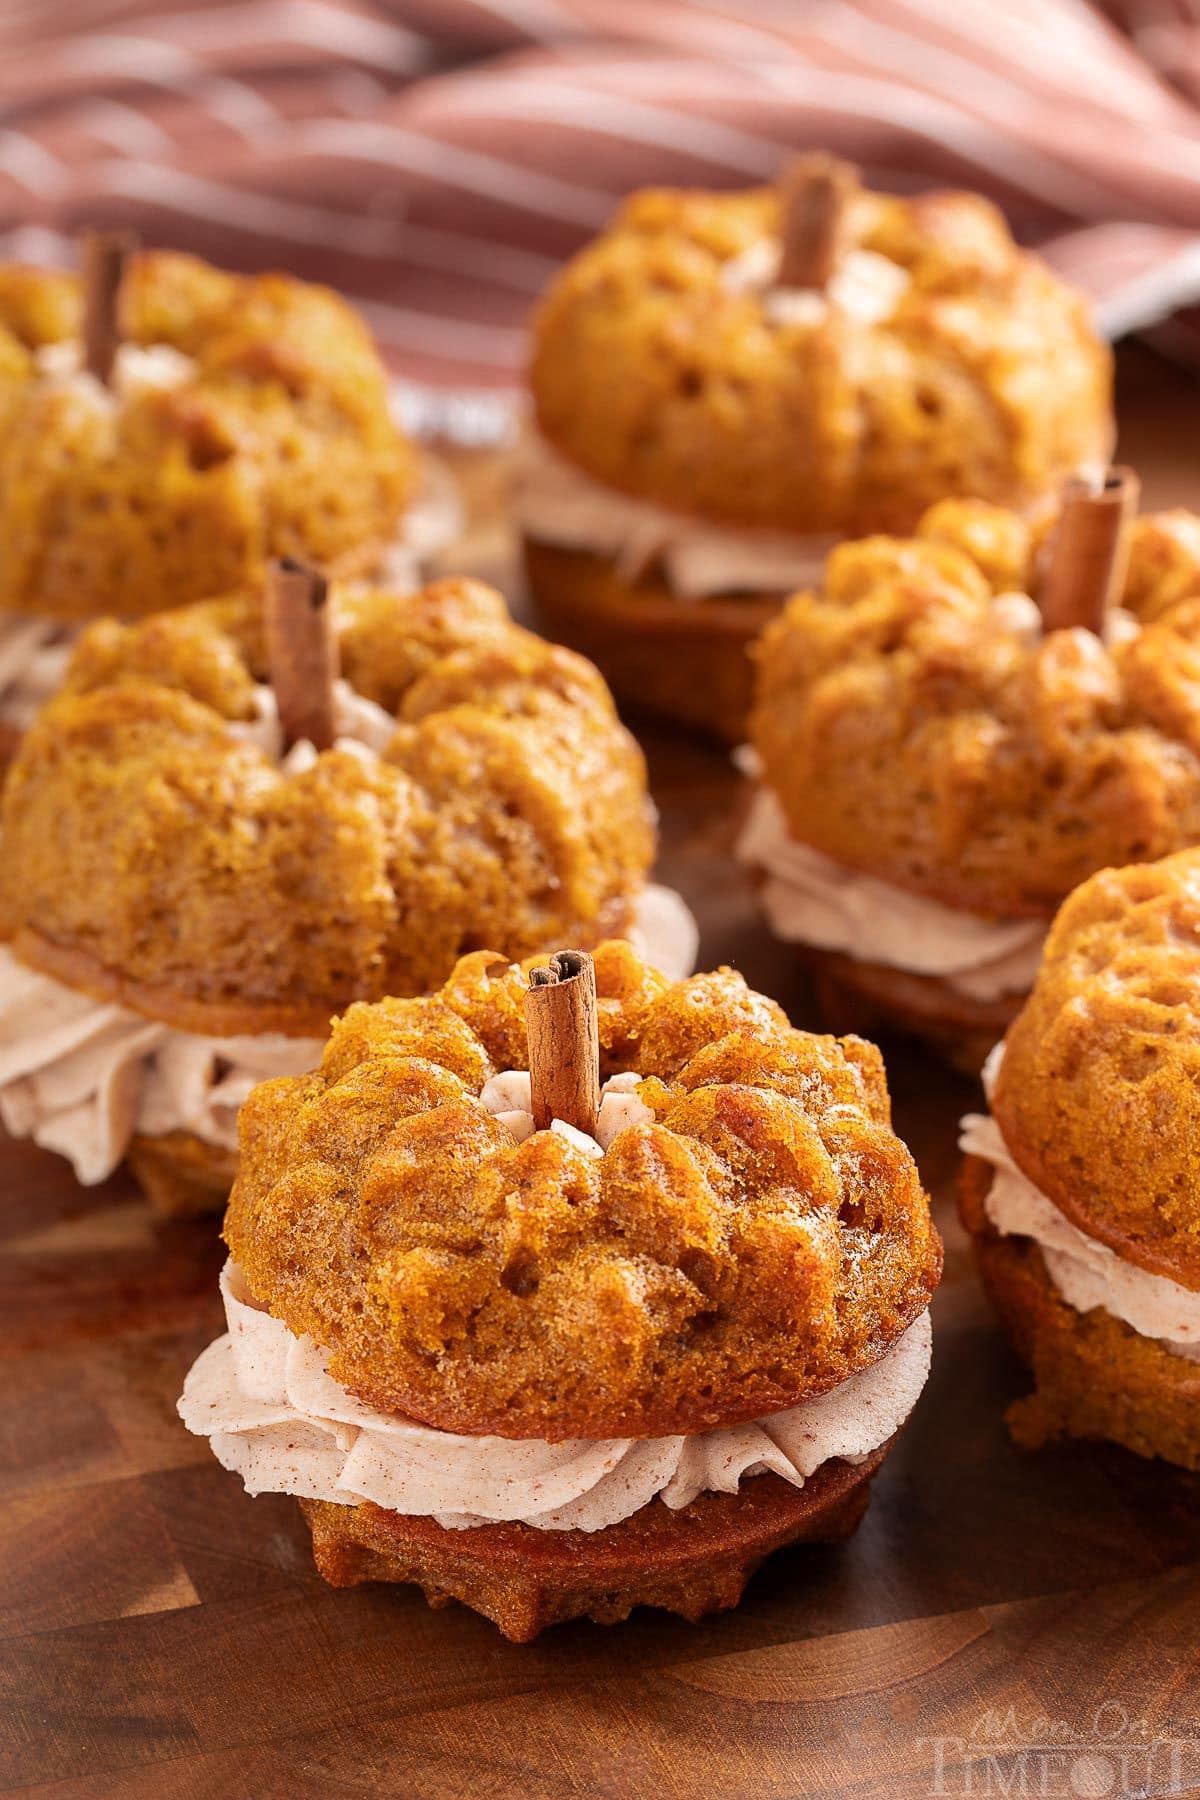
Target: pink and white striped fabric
column 435, row 159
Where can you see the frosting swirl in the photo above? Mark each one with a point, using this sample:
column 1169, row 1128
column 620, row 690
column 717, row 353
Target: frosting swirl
column 811, row 899
column 556, row 503
column 265, row 1400
column 1085, row 1272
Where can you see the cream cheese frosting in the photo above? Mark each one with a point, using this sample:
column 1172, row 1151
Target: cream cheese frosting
column 556, row 503
column 1085, row 1272
column 34, row 654
column 360, row 725
column 811, row 899
column 507, row 1097
column 271, row 1411
column 137, row 369
column 664, row 931
column 865, row 287
column 82, row 1076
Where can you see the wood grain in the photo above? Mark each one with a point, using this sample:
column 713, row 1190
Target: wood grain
column 163, row 1635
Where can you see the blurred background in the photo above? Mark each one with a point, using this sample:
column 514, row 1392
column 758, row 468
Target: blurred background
column 435, row 159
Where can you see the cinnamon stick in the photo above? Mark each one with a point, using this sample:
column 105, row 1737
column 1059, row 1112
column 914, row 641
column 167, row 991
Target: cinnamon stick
column 104, row 256
column 564, row 1042
column 301, row 652
column 814, row 193
column 1089, row 551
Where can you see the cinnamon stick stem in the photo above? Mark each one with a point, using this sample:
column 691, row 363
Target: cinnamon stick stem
column 814, row 194
column 104, row 256
column 301, row 652
column 564, row 1042
column 1089, row 552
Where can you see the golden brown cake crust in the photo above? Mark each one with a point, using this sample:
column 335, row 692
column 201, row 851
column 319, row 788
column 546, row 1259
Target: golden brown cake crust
column 279, row 443
column 691, row 1562
column 37, row 307
column 231, row 1017
column 687, row 662
column 657, row 380
column 761, row 1240
column 1098, row 1095
column 150, row 852
column 911, row 728
column 1095, row 1376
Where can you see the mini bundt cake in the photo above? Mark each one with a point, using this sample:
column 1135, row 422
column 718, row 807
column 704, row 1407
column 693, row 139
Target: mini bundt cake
column 938, row 768
column 559, row 1371
column 725, row 385
column 1082, row 1189
column 243, row 419
column 186, row 900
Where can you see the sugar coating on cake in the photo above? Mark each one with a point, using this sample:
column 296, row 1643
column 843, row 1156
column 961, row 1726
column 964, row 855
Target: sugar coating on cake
column 1098, row 1094
column 761, row 1239
column 665, row 366
column 914, row 720
column 148, row 839
column 272, row 437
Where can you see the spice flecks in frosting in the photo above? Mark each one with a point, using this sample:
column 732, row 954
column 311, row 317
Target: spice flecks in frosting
column 82, row 1077
column 266, row 1401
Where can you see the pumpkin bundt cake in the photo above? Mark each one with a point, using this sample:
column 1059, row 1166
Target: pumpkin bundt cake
column 240, row 419
column 941, row 759
column 725, row 385
column 559, row 1367
column 186, row 899
column 1082, row 1188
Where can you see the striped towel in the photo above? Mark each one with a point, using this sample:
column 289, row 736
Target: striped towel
column 436, row 159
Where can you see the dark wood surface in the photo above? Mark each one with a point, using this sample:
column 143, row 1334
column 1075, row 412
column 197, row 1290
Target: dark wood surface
column 1000, row 1621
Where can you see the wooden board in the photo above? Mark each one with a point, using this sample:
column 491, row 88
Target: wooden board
column 1000, row 1621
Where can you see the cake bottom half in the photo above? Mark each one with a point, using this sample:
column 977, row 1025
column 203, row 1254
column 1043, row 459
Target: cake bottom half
column 683, row 660
column 1094, row 1376
column 691, row 1562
